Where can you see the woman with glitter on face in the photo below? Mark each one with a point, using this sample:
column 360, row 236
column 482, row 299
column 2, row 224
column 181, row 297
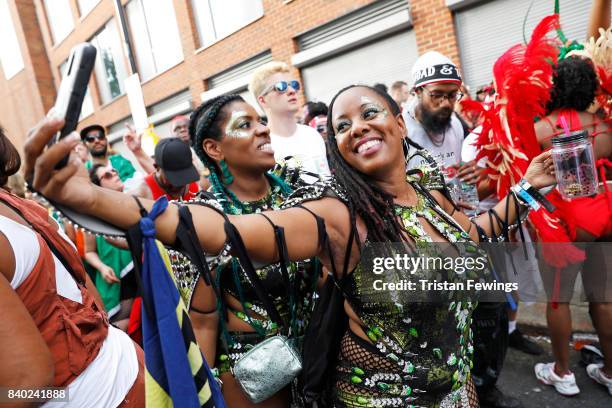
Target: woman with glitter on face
column 370, row 199
column 234, row 145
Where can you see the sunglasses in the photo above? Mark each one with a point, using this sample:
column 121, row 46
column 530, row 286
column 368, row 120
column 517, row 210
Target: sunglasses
column 282, row 87
column 93, row 138
column 108, row 174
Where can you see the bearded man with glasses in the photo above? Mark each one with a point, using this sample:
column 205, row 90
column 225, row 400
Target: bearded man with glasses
column 430, row 118
column 276, row 90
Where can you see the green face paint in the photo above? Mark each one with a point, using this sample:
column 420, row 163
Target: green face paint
column 236, row 125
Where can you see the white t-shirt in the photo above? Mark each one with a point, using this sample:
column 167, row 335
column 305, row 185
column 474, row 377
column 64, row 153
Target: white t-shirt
column 306, row 146
column 447, row 154
column 109, row 377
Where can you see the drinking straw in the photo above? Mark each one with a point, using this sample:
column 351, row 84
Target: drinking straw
column 564, row 125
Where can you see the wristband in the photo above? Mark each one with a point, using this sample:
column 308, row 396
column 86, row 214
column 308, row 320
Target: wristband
column 525, row 197
column 535, row 193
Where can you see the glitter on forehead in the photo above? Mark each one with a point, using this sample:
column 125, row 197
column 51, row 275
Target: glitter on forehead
column 366, row 100
column 232, row 125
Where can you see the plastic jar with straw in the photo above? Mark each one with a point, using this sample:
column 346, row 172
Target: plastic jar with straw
column 574, row 162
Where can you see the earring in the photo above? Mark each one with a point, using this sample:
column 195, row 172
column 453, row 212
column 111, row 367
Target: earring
column 406, row 148
column 225, row 172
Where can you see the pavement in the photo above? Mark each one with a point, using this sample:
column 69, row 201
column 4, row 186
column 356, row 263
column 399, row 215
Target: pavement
column 518, row 379
column 534, row 317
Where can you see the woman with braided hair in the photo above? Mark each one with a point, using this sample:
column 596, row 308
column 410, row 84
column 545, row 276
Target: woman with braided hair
column 232, row 142
column 393, row 352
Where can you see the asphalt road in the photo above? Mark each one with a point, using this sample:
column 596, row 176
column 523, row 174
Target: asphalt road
column 518, row 379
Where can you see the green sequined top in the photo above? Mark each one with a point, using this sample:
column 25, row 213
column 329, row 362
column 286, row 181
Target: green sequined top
column 233, row 281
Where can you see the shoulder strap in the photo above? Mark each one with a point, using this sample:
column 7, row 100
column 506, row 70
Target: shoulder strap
column 58, row 254
column 239, row 249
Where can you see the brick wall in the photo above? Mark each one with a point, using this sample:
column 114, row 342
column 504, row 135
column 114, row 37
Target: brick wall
column 435, row 28
column 26, row 97
column 275, row 30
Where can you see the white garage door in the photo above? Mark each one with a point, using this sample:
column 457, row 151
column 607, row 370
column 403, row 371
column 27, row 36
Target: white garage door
column 386, row 61
column 486, row 31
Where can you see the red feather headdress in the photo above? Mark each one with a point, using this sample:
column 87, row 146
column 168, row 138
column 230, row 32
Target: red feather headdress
column 523, row 78
column 507, row 140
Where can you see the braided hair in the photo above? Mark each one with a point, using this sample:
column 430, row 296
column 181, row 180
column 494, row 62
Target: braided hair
column 205, row 123
column 365, row 198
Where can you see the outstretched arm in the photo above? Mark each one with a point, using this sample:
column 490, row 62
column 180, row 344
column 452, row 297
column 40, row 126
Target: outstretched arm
column 71, row 186
column 539, row 174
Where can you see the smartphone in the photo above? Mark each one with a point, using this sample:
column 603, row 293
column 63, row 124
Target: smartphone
column 68, row 106
column 72, row 90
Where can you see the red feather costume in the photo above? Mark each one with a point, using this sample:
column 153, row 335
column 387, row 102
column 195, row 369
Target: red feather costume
column 523, row 79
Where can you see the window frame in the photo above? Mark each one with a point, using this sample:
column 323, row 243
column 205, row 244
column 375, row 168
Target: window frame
column 21, row 64
column 82, row 14
column 196, row 23
column 155, row 71
column 54, row 41
column 124, row 62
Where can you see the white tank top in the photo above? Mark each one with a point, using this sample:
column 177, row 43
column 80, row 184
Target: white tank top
column 109, row 377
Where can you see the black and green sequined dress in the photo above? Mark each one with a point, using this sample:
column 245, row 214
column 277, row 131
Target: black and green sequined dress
column 418, row 354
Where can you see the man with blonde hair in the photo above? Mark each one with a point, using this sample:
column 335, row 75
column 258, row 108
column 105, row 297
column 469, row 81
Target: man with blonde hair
column 276, row 91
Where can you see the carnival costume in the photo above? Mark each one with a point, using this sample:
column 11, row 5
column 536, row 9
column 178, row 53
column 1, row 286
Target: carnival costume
column 523, row 80
column 267, row 295
column 418, row 354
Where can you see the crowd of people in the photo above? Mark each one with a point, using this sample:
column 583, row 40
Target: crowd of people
column 284, row 206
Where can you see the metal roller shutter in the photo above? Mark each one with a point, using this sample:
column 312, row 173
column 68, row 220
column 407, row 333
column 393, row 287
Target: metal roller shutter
column 386, row 61
column 486, row 31
column 235, row 80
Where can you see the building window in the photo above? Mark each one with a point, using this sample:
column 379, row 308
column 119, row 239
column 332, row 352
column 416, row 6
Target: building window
column 10, row 53
column 59, row 16
column 87, row 107
column 110, row 63
column 85, row 6
column 155, row 36
column 217, row 19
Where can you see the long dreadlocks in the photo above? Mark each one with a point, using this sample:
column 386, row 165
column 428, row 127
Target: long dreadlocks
column 372, row 203
column 205, row 123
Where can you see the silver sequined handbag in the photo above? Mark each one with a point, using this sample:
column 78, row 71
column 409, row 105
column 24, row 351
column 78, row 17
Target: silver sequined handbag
column 267, row 368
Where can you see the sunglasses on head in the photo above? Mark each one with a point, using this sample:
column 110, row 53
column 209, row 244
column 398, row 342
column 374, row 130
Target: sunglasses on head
column 108, row 174
column 91, row 138
column 282, row 86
